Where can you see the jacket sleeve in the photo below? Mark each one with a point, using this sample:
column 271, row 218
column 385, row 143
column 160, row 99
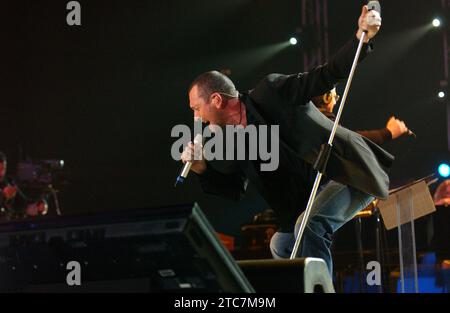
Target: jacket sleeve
column 232, row 186
column 298, row 89
column 379, row 136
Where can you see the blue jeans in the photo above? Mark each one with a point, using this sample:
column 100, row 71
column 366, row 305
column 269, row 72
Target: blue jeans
column 335, row 205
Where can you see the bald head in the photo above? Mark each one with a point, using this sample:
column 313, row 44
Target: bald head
column 214, row 81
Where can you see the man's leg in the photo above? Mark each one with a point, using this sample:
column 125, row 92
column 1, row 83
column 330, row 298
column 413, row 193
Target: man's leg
column 281, row 245
column 335, row 205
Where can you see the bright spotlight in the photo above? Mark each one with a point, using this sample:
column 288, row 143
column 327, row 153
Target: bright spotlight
column 441, row 94
column 293, row 41
column 436, row 22
column 444, row 170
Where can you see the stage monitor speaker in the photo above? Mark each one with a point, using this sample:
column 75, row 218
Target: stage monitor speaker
column 308, row 275
column 172, row 249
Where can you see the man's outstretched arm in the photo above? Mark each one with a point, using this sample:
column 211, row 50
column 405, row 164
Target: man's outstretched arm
column 394, row 129
column 298, row 89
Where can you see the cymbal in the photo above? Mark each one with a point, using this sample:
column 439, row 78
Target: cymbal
column 368, row 210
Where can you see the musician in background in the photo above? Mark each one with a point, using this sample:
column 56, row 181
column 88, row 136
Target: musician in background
column 393, row 130
column 442, row 194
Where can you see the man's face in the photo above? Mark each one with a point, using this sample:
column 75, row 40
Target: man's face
column 2, row 169
column 206, row 110
column 334, row 100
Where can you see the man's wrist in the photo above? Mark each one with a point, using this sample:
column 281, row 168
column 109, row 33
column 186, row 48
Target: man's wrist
column 200, row 171
column 387, row 134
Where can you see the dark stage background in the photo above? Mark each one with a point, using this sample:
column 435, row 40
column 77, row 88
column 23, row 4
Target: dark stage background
column 104, row 96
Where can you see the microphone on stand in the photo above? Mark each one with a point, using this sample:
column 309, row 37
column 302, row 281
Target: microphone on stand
column 374, row 18
column 325, row 152
column 374, row 5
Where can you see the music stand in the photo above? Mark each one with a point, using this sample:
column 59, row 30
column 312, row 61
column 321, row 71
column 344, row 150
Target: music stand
column 403, row 206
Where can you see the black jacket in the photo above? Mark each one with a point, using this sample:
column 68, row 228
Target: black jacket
column 284, row 100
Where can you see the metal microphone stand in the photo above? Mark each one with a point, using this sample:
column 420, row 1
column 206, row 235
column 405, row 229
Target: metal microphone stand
column 325, row 151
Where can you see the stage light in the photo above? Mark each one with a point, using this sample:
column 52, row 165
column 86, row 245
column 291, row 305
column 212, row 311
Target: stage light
column 293, row 41
column 444, row 170
column 441, row 94
column 436, row 22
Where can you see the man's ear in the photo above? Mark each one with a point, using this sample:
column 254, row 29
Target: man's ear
column 327, row 97
column 217, row 100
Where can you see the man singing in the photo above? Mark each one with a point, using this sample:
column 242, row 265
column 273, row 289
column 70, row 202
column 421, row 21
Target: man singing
column 357, row 166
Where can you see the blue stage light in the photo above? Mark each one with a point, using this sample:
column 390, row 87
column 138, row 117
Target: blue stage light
column 444, row 170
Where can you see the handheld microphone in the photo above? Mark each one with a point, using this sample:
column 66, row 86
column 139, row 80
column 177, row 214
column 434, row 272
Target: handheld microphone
column 375, row 18
column 187, row 166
